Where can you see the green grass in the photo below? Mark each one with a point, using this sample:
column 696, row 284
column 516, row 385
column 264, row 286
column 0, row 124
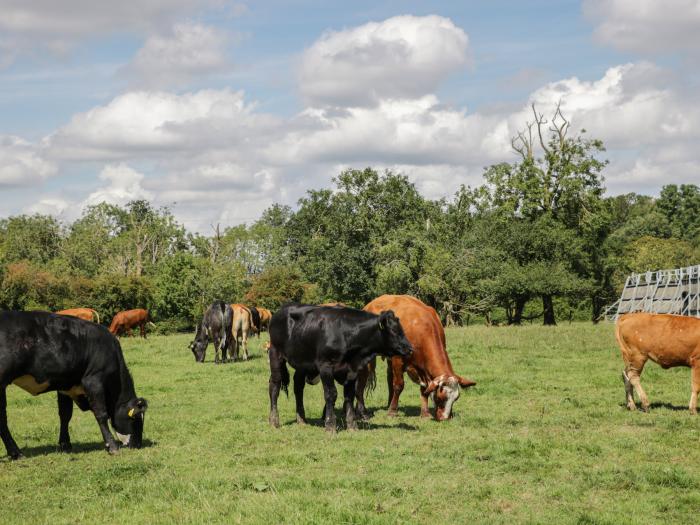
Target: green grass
column 543, row 438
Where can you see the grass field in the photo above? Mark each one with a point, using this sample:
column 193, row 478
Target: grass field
column 543, row 438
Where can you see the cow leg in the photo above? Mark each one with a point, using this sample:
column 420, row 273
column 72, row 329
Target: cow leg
column 349, row 399
column 396, row 385
column 143, row 330
column 96, row 397
column 633, row 375
column 245, row 345
column 330, row 394
column 629, row 392
column 424, row 410
column 695, row 385
column 217, row 343
column 299, row 380
column 360, row 386
column 10, row 445
column 65, row 413
column 274, row 386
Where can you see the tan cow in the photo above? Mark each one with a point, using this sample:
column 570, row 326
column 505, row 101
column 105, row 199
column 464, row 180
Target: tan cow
column 86, row 314
column 123, row 322
column 241, row 328
column 669, row 340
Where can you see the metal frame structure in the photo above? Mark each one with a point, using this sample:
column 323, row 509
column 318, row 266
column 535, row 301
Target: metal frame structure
column 660, row 292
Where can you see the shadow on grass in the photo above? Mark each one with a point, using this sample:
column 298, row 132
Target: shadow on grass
column 361, row 424
column 78, row 448
column 668, row 406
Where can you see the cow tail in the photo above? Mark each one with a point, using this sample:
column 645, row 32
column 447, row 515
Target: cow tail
column 371, row 376
column 285, row 377
column 621, row 342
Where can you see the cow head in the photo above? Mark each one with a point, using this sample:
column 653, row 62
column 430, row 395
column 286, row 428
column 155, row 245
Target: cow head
column 392, row 333
column 445, row 390
column 128, row 422
column 199, row 345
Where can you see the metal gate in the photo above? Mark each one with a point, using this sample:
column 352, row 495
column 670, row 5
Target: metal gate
column 660, row 292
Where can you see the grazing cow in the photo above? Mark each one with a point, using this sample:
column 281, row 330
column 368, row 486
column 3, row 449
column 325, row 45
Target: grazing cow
column 669, row 340
column 241, row 329
column 41, row 352
column 215, row 326
column 123, row 322
column 330, row 342
column 265, row 316
column 429, row 365
column 86, row 314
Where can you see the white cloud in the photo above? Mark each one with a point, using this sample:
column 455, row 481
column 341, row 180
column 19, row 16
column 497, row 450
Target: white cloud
column 188, row 51
column 401, row 57
column 48, row 25
column 123, row 185
column 647, row 26
column 147, row 124
column 21, row 163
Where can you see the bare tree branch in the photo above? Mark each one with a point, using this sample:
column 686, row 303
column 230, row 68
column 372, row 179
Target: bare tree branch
column 540, row 121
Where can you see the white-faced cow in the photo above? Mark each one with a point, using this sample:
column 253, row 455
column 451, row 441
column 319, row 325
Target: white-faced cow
column 215, row 326
column 333, row 343
column 82, row 361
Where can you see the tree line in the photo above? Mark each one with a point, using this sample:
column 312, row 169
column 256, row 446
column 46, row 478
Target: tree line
column 538, row 240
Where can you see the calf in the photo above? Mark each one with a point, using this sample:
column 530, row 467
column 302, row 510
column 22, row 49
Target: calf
column 669, row 340
column 265, row 316
column 215, row 326
column 429, row 365
column 82, row 361
column 123, row 322
column 333, row 343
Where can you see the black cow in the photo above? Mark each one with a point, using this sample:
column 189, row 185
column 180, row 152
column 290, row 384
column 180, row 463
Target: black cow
column 255, row 317
column 333, row 343
column 215, row 325
column 82, row 361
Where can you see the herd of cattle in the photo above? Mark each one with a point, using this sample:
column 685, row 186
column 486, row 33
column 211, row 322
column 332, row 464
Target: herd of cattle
column 71, row 353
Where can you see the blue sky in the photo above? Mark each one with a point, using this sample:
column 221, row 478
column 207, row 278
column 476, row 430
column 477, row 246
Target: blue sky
column 220, row 108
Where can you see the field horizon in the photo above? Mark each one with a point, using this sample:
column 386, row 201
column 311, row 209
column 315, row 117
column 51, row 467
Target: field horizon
column 544, row 437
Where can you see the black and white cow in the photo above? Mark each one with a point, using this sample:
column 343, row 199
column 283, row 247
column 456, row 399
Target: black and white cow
column 215, row 326
column 82, row 361
column 333, row 343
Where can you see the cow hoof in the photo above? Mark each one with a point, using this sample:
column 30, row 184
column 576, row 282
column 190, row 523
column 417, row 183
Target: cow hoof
column 693, row 412
column 301, row 420
column 425, row 415
column 65, row 447
column 351, row 427
column 112, row 450
column 392, row 413
column 16, row 455
column 631, row 408
column 274, row 421
column 645, row 409
column 330, row 430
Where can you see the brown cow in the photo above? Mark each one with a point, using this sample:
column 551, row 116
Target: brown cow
column 429, row 365
column 669, row 340
column 241, row 328
column 265, row 316
column 123, row 322
column 86, row 314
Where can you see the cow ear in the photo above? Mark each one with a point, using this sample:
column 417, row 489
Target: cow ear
column 140, row 407
column 464, row 382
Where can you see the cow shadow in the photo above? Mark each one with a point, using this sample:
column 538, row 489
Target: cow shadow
column 668, row 406
column 361, row 424
column 78, row 448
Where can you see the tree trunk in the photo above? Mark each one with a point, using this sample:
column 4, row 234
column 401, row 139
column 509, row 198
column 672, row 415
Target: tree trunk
column 548, row 306
column 518, row 310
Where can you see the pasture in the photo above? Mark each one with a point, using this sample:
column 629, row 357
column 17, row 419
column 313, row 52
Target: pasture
column 543, row 438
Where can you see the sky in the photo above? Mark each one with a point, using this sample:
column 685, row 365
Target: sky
column 217, row 109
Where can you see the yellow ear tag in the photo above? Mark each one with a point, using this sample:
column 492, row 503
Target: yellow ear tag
column 131, row 413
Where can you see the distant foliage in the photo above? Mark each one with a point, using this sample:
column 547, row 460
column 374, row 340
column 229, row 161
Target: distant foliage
column 537, row 241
